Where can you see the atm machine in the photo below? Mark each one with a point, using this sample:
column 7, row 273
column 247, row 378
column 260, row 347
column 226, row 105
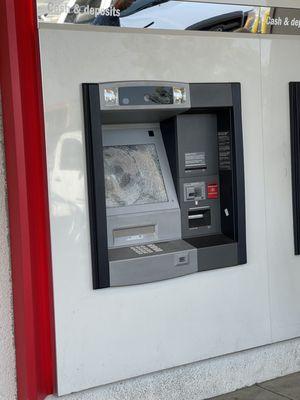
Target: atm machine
column 165, row 179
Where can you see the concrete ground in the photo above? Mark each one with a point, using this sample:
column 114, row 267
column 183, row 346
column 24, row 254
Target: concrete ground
column 287, row 387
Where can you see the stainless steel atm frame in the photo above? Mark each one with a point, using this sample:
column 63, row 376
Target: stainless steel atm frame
column 207, row 126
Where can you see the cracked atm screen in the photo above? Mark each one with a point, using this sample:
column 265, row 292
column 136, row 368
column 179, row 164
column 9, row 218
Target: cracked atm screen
column 133, row 176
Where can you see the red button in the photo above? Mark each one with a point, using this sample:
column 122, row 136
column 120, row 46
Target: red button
column 213, row 191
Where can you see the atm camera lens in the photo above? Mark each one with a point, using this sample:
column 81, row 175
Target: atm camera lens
column 179, row 95
column 111, row 96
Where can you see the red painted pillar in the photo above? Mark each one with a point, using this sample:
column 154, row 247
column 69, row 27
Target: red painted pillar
column 27, row 198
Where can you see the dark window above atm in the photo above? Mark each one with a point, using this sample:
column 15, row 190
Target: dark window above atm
column 222, row 23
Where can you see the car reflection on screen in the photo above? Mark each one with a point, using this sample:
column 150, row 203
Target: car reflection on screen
column 168, row 14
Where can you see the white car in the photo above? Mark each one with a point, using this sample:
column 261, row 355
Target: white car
column 162, row 14
column 185, row 15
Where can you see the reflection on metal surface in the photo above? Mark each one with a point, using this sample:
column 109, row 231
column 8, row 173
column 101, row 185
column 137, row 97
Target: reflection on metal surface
column 67, row 181
column 178, row 15
column 67, row 187
column 133, row 176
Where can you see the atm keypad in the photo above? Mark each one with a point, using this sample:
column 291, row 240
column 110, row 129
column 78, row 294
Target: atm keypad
column 155, row 248
column 146, row 249
column 179, row 247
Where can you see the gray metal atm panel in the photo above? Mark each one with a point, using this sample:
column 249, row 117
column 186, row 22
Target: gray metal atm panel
column 213, row 204
column 198, row 163
column 218, row 257
column 133, row 270
column 134, row 86
column 197, row 135
column 204, row 95
column 166, row 225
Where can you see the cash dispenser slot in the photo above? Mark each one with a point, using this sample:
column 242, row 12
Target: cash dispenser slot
column 198, row 217
column 165, row 180
column 125, row 236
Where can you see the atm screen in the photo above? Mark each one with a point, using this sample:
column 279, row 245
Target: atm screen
column 133, row 175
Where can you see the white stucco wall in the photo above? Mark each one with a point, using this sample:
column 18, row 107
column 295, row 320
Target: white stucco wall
column 205, row 379
column 7, row 355
column 197, row 381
